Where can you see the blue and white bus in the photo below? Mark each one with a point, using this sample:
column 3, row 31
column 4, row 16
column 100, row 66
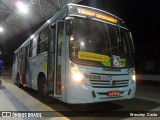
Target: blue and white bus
column 80, row 55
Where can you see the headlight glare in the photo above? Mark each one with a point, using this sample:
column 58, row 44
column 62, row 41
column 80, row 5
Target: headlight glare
column 76, row 74
column 134, row 77
column 77, row 77
column 133, row 73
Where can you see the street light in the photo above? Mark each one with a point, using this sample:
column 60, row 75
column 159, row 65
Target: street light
column 22, row 7
column 1, row 29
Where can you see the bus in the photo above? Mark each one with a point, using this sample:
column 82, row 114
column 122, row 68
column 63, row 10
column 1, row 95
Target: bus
column 80, row 55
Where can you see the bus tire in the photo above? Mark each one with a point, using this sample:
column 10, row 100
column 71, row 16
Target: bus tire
column 42, row 86
column 18, row 81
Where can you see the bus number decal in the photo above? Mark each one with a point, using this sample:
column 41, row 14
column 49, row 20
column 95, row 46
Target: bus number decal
column 106, row 77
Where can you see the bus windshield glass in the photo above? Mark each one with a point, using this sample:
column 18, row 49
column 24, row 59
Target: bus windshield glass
column 99, row 44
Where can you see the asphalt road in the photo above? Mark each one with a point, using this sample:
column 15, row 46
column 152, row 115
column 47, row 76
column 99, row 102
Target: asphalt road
column 145, row 104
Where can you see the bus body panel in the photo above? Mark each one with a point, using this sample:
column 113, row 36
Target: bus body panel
column 36, row 65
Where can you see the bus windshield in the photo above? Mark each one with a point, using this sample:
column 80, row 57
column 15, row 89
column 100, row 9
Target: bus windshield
column 99, row 44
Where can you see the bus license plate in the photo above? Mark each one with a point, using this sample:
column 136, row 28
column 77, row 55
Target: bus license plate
column 113, row 93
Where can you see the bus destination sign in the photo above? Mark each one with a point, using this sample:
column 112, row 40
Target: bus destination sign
column 93, row 13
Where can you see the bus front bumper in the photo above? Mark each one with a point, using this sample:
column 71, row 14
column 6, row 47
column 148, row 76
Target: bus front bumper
column 87, row 94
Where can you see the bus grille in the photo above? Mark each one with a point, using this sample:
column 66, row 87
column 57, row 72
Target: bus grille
column 96, row 82
column 109, row 84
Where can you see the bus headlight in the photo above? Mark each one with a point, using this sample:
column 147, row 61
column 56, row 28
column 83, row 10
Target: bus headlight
column 133, row 73
column 77, row 77
column 134, row 77
column 76, row 74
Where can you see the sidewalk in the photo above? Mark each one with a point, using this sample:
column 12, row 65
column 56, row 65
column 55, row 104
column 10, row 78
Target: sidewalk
column 14, row 99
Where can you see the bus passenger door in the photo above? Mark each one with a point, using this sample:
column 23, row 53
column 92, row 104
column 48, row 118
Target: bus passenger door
column 58, row 59
column 51, row 58
column 25, row 64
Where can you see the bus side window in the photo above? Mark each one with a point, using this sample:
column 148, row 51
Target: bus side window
column 30, row 48
column 33, row 47
column 43, row 41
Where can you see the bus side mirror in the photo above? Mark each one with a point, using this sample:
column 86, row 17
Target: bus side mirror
column 69, row 27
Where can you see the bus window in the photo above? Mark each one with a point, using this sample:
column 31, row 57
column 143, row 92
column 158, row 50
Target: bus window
column 113, row 35
column 43, row 41
column 33, row 47
column 30, row 49
column 123, row 43
column 126, row 44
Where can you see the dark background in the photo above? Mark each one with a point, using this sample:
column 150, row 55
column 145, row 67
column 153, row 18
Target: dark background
column 143, row 20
